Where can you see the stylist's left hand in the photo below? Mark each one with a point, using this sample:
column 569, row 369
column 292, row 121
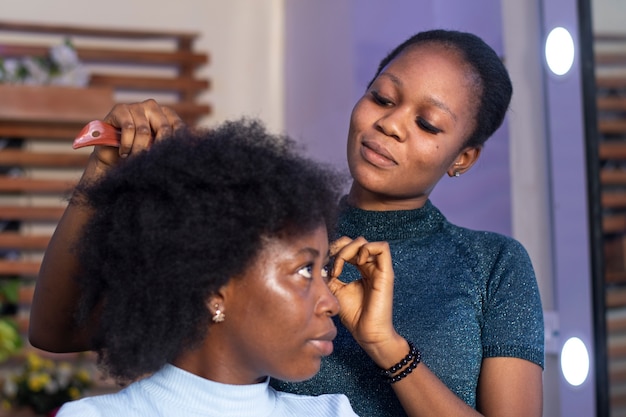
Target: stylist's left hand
column 367, row 303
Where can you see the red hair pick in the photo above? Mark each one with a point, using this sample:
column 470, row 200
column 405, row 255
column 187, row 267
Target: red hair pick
column 97, row 132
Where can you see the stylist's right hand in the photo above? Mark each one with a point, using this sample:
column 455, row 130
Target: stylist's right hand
column 141, row 125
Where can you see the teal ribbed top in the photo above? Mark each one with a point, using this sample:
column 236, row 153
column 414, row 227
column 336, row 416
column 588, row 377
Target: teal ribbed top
column 460, row 296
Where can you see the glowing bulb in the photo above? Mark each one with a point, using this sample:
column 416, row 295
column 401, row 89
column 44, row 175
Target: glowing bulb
column 574, row 361
column 559, row 51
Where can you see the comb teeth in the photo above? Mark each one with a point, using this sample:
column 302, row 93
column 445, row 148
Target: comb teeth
column 97, row 132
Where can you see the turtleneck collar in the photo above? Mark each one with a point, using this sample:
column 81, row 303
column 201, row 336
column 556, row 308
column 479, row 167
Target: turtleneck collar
column 388, row 225
column 193, row 393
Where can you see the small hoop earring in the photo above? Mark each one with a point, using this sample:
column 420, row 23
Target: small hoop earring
column 219, row 315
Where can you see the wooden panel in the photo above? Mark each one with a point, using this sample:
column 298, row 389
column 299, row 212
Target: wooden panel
column 613, row 176
column 34, row 186
column 20, row 158
column 612, row 103
column 616, row 324
column 159, row 84
column 21, row 268
column 614, row 223
column 613, row 199
column 94, row 31
column 616, row 298
column 40, row 130
column 54, row 104
column 610, row 58
column 612, row 150
column 615, row 82
column 612, row 126
column 31, row 213
column 14, row 240
column 126, row 56
column 618, row 277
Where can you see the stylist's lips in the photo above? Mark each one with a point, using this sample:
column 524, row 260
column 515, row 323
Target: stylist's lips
column 377, row 154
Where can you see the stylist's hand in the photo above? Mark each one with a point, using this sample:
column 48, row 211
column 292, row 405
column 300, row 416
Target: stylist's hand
column 141, row 124
column 366, row 304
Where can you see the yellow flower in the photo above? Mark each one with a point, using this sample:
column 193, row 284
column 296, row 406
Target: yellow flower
column 47, row 364
column 34, row 362
column 73, row 392
column 6, row 404
column 37, row 381
column 83, row 376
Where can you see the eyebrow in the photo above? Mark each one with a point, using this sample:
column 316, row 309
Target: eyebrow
column 314, row 252
column 432, row 100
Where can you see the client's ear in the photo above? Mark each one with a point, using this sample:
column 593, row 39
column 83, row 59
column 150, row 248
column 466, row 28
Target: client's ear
column 215, row 305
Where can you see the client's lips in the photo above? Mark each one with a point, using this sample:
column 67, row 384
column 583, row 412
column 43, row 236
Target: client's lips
column 324, row 343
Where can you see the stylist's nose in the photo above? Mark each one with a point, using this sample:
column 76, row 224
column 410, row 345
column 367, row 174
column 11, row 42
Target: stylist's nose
column 391, row 124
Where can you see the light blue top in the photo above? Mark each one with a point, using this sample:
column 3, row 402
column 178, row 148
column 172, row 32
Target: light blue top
column 175, row 392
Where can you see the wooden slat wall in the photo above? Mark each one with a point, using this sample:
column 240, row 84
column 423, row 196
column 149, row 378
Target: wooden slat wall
column 610, row 59
column 38, row 168
column 115, row 64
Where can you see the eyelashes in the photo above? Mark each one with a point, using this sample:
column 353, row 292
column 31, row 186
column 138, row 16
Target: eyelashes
column 420, row 121
column 423, row 124
column 380, row 99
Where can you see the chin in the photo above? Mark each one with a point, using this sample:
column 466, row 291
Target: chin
column 302, row 375
column 369, row 182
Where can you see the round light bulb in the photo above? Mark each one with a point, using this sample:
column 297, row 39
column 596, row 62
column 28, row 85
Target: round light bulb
column 559, row 51
column 575, row 361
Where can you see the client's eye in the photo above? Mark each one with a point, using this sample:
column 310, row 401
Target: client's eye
column 306, row 271
column 326, row 271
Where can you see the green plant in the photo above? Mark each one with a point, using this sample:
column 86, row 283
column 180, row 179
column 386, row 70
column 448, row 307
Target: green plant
column 10, row 338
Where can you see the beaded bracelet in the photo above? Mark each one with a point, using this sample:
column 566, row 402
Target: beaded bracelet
column 414, row 357
column 416, row 360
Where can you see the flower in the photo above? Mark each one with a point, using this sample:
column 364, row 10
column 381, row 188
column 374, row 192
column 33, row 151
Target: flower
column 61, row 67
column 44, row 385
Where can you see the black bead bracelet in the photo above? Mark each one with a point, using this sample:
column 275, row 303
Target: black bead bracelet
column 416, row 360
column 413, row 358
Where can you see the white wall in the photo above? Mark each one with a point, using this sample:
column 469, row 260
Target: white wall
column 243, row 38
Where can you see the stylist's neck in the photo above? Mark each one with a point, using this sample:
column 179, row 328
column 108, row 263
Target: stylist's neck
column 368, row 200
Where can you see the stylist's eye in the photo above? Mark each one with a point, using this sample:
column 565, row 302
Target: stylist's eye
column 424, row 125
column 380, row 99
column 306, row 271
